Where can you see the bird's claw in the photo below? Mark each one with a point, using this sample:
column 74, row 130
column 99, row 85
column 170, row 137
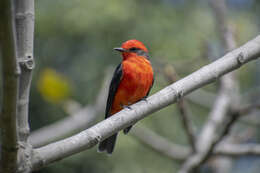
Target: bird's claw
column 144, row 99
column 128, row 107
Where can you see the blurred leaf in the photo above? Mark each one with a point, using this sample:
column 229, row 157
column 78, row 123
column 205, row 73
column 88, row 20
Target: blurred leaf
column 53, row 86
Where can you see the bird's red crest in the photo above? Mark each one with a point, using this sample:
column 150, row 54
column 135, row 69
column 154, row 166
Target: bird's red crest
column 134, row 43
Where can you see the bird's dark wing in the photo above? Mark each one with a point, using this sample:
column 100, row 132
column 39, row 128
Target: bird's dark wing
column 117, row 76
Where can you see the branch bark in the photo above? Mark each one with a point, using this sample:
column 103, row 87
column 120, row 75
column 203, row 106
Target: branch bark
column 25, row 33
column 10, row 88
column 90, row 137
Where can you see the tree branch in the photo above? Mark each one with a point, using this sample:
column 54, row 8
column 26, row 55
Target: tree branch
column 172, row 77
column 179, row 153
column 236, row 150
column 247, row 109
column 225, row 100
column 224, row 28
column 10, row 88
column 25, row 33
column 209, row 136
column 160, row 144
column 90, row 137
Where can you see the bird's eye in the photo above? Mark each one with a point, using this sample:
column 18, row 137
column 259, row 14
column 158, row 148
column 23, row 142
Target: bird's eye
column 134, row 49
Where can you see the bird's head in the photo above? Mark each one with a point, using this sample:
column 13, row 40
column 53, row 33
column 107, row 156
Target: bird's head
column 133, row 48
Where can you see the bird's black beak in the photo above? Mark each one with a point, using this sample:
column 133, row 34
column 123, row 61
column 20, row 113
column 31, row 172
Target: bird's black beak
column 120, row 49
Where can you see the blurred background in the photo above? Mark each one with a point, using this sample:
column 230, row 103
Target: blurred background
column 74, row 43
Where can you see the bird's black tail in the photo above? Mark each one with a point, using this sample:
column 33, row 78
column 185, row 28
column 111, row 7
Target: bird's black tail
column 126, row 130
column 108, row 144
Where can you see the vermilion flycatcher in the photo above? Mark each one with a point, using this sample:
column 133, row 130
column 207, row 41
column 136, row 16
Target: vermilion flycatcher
column 131, row 82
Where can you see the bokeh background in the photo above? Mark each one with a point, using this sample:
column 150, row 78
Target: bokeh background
column 74, row 43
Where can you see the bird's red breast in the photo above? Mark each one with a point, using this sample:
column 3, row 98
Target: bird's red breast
column 136, row 81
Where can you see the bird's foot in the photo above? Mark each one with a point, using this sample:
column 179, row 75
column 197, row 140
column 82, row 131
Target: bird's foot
column 144, row 99
column 126, row 106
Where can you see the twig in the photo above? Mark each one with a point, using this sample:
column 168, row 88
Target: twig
column 172, row 77
column 160, row 144
column 187, row 123
column 251, row 113
column 90, row 137
column 236, row 150
column 10, row 88
column 247, row 109
column 224, row 28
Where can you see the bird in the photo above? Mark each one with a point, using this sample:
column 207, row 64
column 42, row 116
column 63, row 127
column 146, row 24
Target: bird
column 132, row 81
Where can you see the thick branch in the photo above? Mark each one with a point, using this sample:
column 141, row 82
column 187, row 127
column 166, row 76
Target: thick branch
column 25, row 33
column 10, row 85
column 90, row 137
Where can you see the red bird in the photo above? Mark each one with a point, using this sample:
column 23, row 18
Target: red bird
column 131, row 82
